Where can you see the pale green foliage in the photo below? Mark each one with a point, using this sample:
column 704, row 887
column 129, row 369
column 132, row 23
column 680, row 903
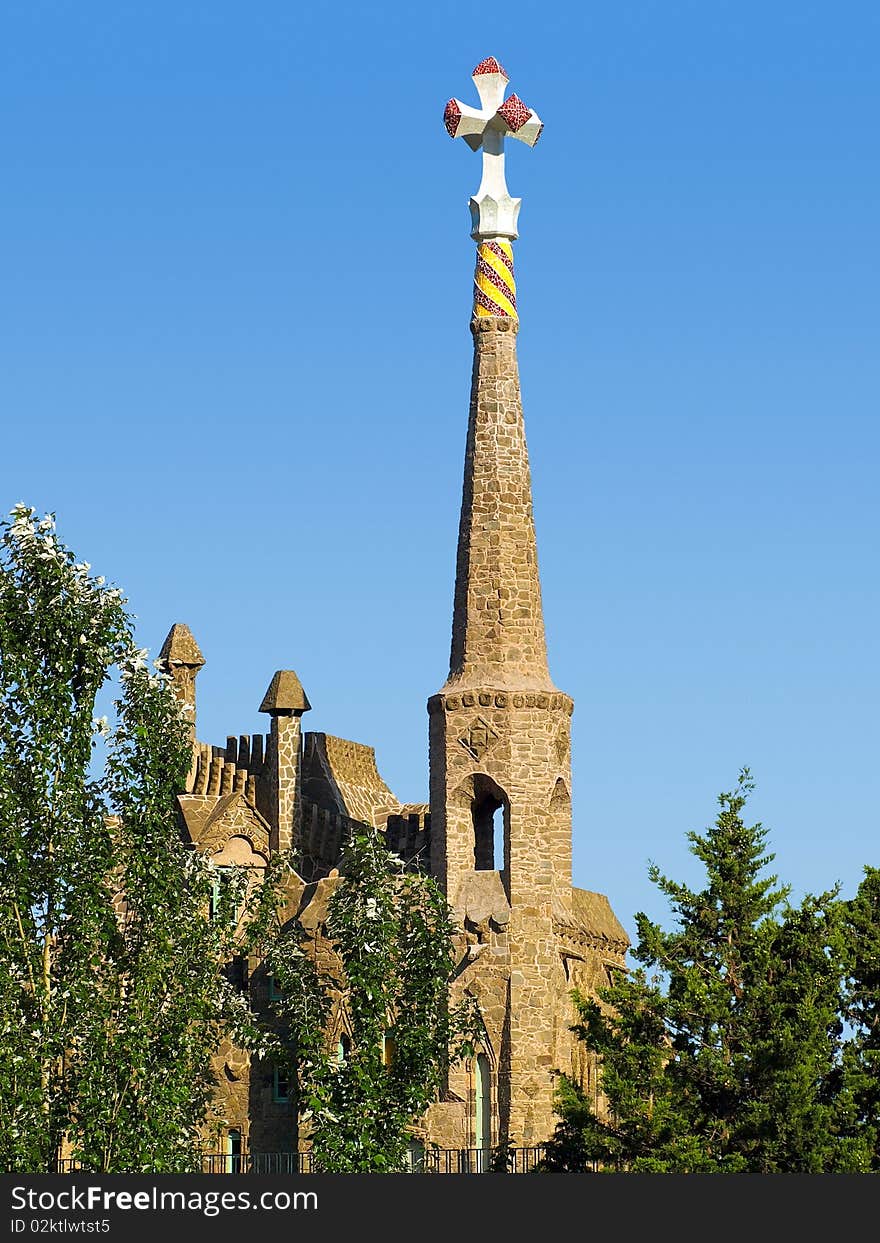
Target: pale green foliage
column 110, row 995
column 394, row 957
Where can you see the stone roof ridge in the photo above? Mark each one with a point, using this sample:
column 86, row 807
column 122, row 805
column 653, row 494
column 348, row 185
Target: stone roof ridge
column 354, row 762
column 590, row 913
column 313, row 912
column 343, row 775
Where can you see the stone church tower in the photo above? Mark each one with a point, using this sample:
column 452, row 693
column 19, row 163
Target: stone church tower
column 499, row 728
column 497, row 831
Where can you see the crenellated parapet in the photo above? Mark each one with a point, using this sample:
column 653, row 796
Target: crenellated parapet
column 323, row 834
column 408, row 835
column 237, row 766
column 312, row 791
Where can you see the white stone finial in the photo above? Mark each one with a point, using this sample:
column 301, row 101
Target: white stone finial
column 493, row 212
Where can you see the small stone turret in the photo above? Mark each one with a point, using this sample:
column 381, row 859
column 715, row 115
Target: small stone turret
column 281, row 803
column 181, row 657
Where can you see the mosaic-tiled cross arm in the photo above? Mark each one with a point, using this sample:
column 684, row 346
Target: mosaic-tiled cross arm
column 494, row 212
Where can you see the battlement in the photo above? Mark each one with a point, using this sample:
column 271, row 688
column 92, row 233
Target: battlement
column 342, row 788
column 408, row 834
column 235, row 767
column 322, row 834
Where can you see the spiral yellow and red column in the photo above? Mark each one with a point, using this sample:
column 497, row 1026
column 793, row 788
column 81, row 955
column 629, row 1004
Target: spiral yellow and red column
column 494, row 285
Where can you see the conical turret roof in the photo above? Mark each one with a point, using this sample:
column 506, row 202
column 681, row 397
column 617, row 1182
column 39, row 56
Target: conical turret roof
column 180, row 648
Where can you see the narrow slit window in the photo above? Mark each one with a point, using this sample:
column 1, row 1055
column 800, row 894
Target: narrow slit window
column 389, row 1048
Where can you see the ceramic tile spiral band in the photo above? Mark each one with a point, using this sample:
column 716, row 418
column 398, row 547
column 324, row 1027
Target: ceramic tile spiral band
column 494, row 285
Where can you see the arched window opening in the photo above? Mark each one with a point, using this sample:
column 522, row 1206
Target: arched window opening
column 487, row 810
column 482, row 1111
column 343, row 1048
column 415, row 1156
column 225, row 877
column 233, row 1152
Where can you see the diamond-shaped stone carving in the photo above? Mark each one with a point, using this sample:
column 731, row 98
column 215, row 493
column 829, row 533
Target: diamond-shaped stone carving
column 478, row 738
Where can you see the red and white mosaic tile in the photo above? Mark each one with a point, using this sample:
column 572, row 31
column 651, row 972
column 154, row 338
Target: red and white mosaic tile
column 514, row 112
column 451, row 117
column 489, row 65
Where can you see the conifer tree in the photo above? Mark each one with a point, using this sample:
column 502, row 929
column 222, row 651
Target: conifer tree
column 859, row 1095
column 725, row 1058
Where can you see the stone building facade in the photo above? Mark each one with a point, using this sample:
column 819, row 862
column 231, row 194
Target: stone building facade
column 496, row 830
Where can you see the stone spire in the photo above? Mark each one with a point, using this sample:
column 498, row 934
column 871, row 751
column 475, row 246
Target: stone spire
column 498, row 622
column 499, row 730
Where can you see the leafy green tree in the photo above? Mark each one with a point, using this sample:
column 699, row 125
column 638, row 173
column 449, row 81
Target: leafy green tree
column 392, row 961
column 111, row 1000
column 726, row 1058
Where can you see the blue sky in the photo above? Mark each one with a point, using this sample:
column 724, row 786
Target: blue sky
column 235, row 361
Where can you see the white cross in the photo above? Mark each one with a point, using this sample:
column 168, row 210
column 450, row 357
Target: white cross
column 493, row 212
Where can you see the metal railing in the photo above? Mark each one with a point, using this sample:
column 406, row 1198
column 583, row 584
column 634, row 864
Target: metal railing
column 475, row 1161
column 419, row 1161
